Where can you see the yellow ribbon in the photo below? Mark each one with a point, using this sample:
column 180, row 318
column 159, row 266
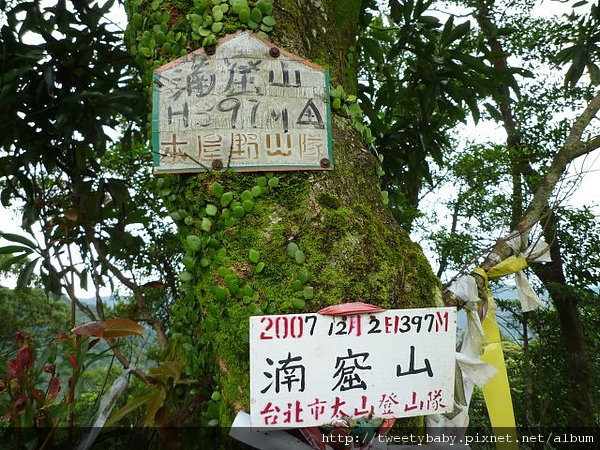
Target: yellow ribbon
column 496, row 392
column 510, row 265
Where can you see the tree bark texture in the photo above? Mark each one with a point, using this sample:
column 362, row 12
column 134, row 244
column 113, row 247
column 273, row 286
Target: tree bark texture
column 354, row 251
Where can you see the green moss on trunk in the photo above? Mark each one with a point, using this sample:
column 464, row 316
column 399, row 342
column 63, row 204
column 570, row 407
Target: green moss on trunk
column 352, row 252
column 317, row 238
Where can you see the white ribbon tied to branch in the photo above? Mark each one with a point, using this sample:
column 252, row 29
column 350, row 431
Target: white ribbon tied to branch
column 539, row 251
column 471, row 370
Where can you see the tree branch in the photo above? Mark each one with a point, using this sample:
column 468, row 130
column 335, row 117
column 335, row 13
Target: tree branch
column 590, row 146
column 138, row 295
column 572, row 148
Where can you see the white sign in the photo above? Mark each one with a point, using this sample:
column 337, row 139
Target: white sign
column 248, row 106
column 310, row 369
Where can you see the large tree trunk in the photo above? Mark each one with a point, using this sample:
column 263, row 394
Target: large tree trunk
column 354, row 250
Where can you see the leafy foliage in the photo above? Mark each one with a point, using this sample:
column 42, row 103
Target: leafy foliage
column 69, row 93
column 495, row 182
column 67, row 80
column 30, row 312
column 64, row 88
column 422, row 77
column 581, row 31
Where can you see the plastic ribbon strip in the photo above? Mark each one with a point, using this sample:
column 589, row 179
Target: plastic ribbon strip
column 470, row 370
column 537, row 252
column 106, row 405
column 489, row 372
column 496, row 392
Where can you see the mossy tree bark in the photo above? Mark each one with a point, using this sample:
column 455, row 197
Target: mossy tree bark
column 354, row 251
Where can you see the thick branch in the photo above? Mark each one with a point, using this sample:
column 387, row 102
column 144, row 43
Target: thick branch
column 590, row 146
column 572, row 148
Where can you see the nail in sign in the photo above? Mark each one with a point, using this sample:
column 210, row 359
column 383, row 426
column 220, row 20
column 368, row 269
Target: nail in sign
column 310, row 369
column 245, row 108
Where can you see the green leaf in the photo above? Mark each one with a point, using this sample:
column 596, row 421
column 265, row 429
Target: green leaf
column 248, row 205
column 456, row 33
column 299, row 303
column 372, row 48
column 494, row 113
column 24, row 278
column 273, row 182
column 299, row 257
column 244, row 15
column 216, row 189
column 269, row 21
column 132, row 405
column 188, row 261
column 237, row 5
column 211, row 209
column 186, row 276
column 193, row 242
column 256, row 15
column 204, row 262
column 292, row 249
column 266, row 6
column 233, row 285
column 308, row 292
column 396, row 10
column 247, row 195
column 254, row 256
column 17, row 238
column 385, row 197
column 221, row 294
column 256, row 191
column 238, row 211
column 259, row 267
column 247, row 290
column 218, row 15
column 304, row 276
column 337, row 92
column 296, row 285
column 226, row 198
column 432, row 21
column 155, row 402
column 216, row 27
column 206, row 224
column 14, row 249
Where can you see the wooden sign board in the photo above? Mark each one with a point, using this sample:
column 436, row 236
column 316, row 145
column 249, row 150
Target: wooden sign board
column 311, row 370
column 250, row 106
